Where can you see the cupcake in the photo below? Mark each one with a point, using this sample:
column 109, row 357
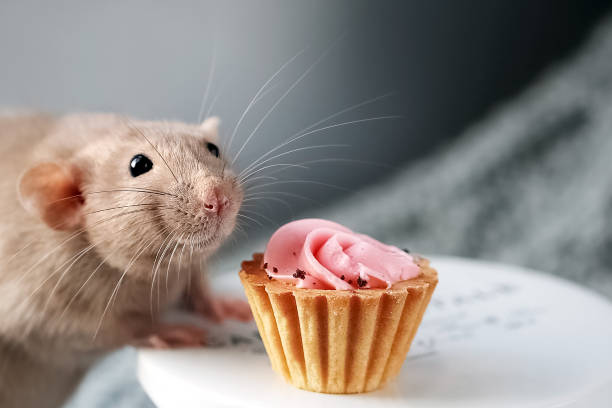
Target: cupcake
column 336, row 310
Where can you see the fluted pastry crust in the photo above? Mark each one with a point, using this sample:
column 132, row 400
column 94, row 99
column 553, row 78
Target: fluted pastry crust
column 337, row 341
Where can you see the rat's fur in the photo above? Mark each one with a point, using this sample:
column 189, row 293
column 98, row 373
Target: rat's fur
column 49, row 336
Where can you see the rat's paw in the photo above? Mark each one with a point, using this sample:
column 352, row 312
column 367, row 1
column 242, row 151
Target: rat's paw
column 176, row 336
column 233, row 309
column 221, row 308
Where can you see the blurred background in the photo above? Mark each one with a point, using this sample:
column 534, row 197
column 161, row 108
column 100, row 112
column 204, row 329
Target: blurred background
column 438, row 65
column 478, row 129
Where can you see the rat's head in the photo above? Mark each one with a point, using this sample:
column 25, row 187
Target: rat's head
column 136, row 187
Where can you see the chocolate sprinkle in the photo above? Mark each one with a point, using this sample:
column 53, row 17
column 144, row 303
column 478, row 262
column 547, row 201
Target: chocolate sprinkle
column 361, row 282
column 406, row 250
column 294, row 254
column 299, row 274
column 275, row 269
column 350, row 282
column 265, row 265
column 269, row 277
column 342, row 277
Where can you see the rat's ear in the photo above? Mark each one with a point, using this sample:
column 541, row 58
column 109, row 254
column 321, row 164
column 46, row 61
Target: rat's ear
column 211, row 127
column 51, row 192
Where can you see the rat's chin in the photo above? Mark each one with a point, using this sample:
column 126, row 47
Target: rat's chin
column 209, row 236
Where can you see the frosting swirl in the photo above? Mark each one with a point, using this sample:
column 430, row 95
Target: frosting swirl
column 320, row 254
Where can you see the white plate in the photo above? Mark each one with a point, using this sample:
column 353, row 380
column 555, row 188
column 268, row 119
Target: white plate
column 493, row 336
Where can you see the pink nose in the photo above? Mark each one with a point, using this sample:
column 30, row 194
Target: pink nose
column 215, row 202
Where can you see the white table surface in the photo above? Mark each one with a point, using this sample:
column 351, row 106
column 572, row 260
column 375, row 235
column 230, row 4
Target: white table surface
column 493, row 336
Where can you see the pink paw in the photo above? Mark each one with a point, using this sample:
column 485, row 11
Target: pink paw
column 219, row 309
column 232, row 309
column 176, row 336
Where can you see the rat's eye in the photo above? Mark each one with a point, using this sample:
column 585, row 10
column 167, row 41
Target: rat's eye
column 140, row 164
column 213, row 149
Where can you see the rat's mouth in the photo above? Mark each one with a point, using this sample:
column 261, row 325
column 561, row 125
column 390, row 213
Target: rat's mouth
column 205, row 236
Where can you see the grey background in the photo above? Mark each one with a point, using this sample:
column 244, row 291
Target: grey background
column 448, row 62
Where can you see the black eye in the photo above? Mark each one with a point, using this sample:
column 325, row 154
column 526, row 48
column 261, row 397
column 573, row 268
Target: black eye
column 213, row 149
column 140, row 164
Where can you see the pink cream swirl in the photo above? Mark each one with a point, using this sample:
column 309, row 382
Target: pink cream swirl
column 320, row 254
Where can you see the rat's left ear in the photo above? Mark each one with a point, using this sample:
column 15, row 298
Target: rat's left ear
column 211, row 127
column 51, row 192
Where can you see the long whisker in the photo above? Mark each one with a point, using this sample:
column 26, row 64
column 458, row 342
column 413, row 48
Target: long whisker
column 74, row 235
column 103, row 262
column 251, row 219
column 352, row 161
column 155, row 266
column 161, row 259
column 299, row 166
column 116, row 289
column 318, row 130
column 81, row 254
column 332, row 116
column 297, row 81
column 283, row 202
column 214, row 102
column 211, row 73
column 129, row 190
column 190, row 264
column 328, row 159
column 252, row 102
column 74, row 259
column 126, row 206
column 180, row 261
column 76, row 256
column 255, row 213
column 170, row 260
column 252, row 196
column 297, row 181
column 242, row 174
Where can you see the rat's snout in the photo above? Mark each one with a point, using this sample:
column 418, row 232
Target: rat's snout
column 215, row 201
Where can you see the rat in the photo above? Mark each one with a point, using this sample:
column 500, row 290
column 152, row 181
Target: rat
column 106, row 222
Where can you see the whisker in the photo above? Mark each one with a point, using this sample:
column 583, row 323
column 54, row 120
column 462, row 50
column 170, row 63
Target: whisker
column 243, row 176
column 156, row 205
column 129, row 190
column 180, row 262
column 252, row 102
column 277, row 165
column 161, row 259
column 102, row 263
column 155, row 266
column 116, row 289
column 74, row 235
column 332, row 116
column 190, row 264
column 318, row 130
column 251, row 219
column 272, row 222
column 297, row 81
column 211, row 73
column 170, row 260
column 263, row 178
column 297, row 181
column 352, row 161
column 254, row 196
column 81, row 254
column 39, row 287
column 214, row 101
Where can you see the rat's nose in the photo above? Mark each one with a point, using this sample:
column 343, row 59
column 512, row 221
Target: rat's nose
column 215, row 202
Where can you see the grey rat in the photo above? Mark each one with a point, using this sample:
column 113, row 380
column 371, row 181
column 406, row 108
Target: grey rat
column 105, row 223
